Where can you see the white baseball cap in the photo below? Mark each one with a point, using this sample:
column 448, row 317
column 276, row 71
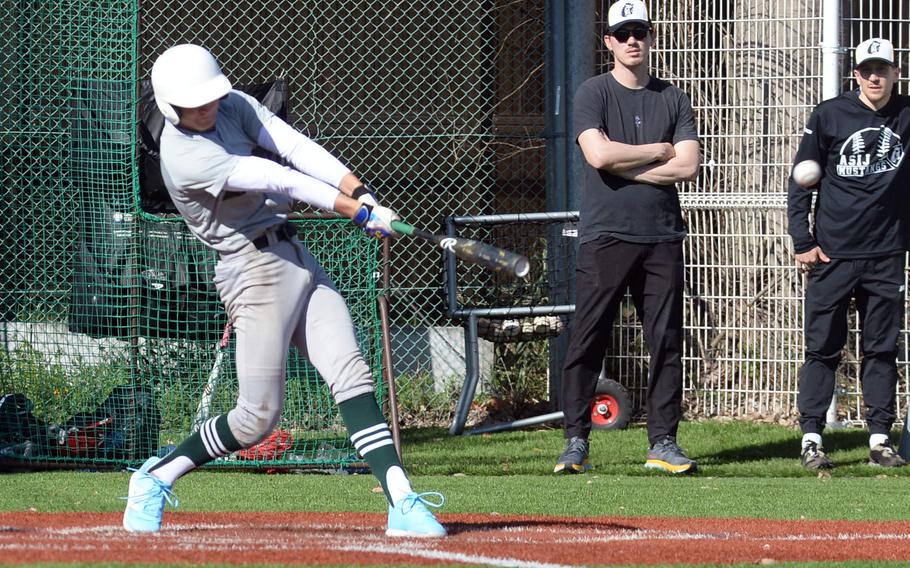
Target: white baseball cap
column 875, row 49
column 627, row 12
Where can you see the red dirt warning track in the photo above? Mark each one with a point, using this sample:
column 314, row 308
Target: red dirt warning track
column 498, row 540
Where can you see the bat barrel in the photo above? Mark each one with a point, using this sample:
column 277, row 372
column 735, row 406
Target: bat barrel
column 521, row 267
column 491, row 257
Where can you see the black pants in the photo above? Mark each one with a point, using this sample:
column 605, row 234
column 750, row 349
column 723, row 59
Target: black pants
column 653, row 273
column 878, row 287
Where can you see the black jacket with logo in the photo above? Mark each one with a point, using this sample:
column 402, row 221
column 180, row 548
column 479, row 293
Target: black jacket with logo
column 862, row 195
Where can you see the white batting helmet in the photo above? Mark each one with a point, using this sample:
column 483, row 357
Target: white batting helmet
column 187, row 76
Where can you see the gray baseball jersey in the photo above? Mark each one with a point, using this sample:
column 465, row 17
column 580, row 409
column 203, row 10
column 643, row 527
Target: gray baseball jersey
column 201, row 168
column 196, row 165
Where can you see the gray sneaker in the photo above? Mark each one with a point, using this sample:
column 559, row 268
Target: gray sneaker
column 814, row 457
column 667, row 456
column 885, row 456
column 574, row 459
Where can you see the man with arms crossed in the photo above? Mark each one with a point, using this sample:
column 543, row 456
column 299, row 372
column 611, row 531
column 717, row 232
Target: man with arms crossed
column 856, row 249
column 638, row 137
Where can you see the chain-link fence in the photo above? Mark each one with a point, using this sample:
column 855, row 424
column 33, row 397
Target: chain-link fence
column 753, row 71
column 441, row 106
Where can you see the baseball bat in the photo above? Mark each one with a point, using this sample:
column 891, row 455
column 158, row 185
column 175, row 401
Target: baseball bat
column 475, row 252
column 204, row 409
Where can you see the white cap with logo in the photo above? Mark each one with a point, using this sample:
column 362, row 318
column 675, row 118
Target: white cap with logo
column 627, row 12
column 875, row 49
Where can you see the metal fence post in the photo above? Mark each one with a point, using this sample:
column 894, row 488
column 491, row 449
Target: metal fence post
column 569, row 61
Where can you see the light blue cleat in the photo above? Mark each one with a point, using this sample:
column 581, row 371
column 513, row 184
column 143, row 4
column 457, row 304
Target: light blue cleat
column 145, row 503
column 412, row 518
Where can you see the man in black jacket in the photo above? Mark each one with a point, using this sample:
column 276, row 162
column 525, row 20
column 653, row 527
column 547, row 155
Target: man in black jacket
column 856, row 249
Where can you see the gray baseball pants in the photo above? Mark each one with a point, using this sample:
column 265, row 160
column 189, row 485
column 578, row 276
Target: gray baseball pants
column 277, row 296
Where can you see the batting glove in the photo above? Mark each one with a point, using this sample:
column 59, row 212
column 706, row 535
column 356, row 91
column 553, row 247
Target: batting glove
column 365, row 194
column 376, row 221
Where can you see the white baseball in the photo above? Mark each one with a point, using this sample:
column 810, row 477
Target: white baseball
column 807, row 173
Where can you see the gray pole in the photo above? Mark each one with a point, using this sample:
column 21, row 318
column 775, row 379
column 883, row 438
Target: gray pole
column 555, row 121
column 832, row 53
column 581, row 38
column 569, row 61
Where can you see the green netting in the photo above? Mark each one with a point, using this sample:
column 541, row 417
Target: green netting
column 108, row 315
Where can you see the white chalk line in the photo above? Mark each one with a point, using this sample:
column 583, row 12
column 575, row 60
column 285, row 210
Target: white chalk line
column 418, row 552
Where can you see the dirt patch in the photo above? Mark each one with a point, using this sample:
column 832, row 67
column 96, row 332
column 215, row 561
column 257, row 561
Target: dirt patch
column 523, row 541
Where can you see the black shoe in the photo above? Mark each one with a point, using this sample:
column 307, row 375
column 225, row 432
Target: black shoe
column 667, row 456
column 885, row 456
column 814, row 457
column 574, row 459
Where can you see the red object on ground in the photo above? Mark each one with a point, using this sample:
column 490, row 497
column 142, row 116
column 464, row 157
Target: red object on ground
column 82, row 440
column 272, row 448
column 604, row 410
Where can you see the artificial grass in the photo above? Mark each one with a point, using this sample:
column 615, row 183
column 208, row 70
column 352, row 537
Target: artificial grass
column 722, row 449
column 746, row 470
column 576, row 496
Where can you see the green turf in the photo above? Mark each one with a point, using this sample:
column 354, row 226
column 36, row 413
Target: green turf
column 723, row 449
column 747, row 470
column 588, row 495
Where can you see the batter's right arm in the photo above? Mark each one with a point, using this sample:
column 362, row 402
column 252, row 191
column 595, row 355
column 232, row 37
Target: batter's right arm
column 277, row 136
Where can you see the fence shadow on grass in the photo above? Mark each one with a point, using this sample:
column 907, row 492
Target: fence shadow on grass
column 834, row 440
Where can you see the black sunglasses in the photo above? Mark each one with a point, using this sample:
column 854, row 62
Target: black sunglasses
column 622, row 35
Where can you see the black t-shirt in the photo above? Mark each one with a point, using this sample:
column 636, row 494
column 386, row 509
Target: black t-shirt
column 611, row 205
column 862, row 193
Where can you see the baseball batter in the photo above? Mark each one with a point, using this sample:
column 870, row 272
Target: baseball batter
column 274, row 291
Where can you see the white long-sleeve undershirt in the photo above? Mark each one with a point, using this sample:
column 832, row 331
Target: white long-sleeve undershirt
column 260, row 175
column 301, row 152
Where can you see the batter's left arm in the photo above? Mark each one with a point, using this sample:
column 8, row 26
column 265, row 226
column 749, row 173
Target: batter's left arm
column 305, row 155
column 313, row 160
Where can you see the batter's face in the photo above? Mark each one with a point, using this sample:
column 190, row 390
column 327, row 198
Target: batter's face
column 199, row 119
column 876, row 80
column 630, row 45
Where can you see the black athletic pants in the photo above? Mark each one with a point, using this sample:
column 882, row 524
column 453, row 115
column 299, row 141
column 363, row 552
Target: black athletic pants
column 653, row 273
column 878, row 286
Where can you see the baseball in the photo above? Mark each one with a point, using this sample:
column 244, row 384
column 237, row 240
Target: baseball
column 807, row 173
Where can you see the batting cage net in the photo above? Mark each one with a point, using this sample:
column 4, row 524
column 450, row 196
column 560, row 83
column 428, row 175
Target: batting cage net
column 108, row 319
column 110, row 322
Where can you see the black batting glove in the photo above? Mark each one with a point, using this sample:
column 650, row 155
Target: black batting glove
column 364, row 193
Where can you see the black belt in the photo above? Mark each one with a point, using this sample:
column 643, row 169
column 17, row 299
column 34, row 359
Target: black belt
column 283, row 233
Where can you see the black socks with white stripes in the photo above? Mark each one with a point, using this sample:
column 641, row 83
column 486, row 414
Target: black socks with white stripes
column 371, row 436
column 369, row 432
column 213, row 440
